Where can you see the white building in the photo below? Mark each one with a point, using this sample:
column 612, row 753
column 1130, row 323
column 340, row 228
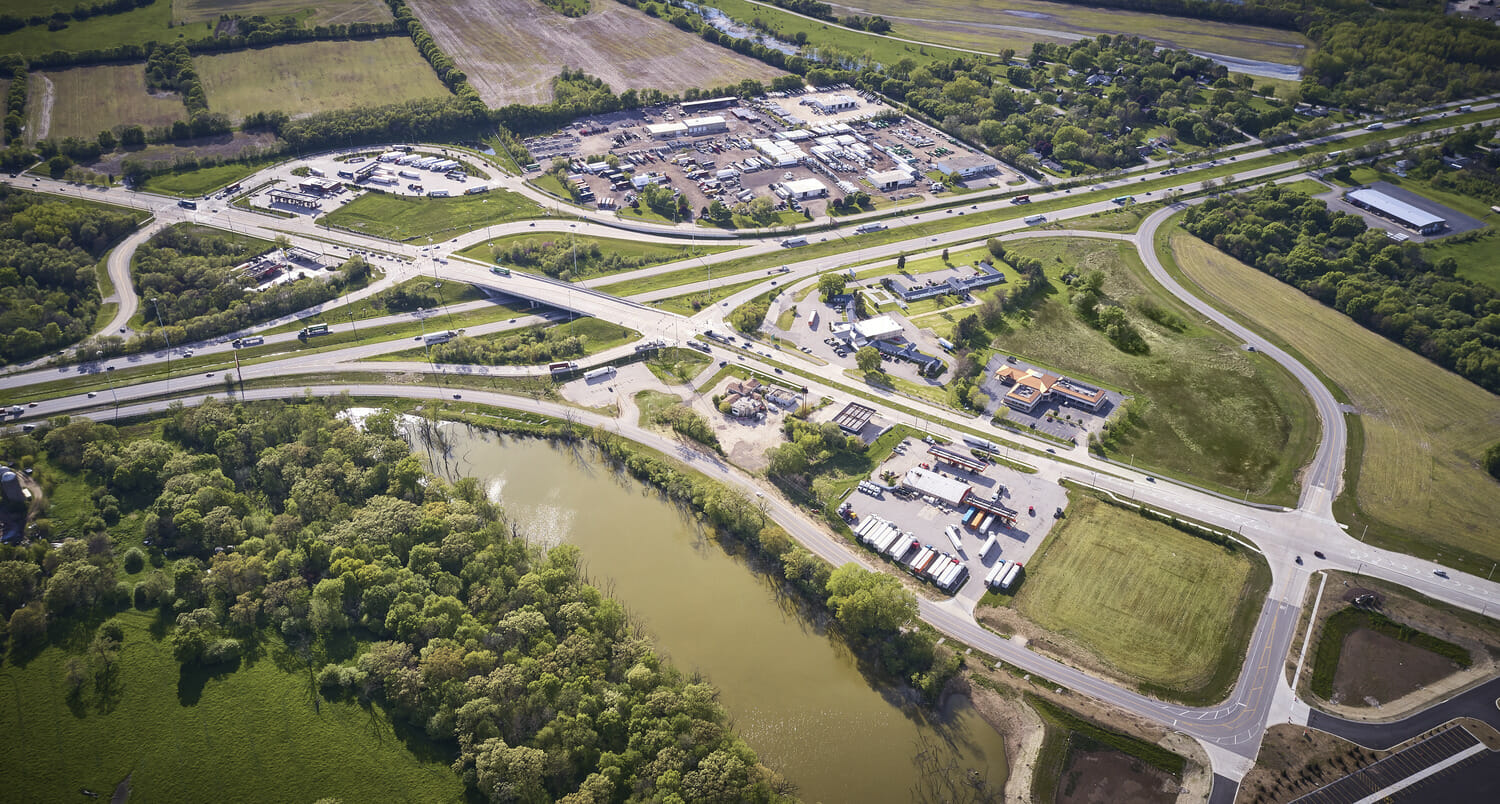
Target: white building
column 666, row 131
column 805, row 188
column 892, row 179
column 879, row 328
column 837, row 103
column 944, row 489
column 705, row 125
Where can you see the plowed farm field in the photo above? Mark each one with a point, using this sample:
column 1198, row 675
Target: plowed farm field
column 511, row 49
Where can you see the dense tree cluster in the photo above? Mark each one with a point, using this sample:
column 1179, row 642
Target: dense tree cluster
column 526, row 347
column 559, row 258
column 536, row 681
column 49, row 294
column 189, row 271
column 14, row 68
column 1388, row 287
column 59, row 19
column 1402, row 60
column 1479, row 179
column 170, row 69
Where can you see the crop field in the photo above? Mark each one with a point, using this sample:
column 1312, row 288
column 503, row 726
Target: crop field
column 992, row 25
column 323, row 13
column 1419, row 481
column 141, row 25
column 511, row 49
column 1211, row 412
column 84, row 101
column 250, row 734
column 317, row 76
column 399, row 217
column 1156, row 604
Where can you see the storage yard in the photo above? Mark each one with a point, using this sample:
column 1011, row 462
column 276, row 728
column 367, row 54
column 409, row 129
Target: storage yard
column 800, row 149
column 953, row 519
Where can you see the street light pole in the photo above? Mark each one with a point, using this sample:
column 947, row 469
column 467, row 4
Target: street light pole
column 155, row 305
column 115, row 396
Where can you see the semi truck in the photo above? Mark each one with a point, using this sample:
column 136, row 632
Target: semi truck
column 439, row 337
column 602, row 371
column 564, row 365
column 253, row 340
column 793, row 242
column 313, row 329
column 866, row 228
column 1032, row 220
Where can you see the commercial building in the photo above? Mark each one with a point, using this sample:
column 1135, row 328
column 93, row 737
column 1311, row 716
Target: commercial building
column 879, row 328
column 708, row 104
column 887, row 180
column 942, row 453
column 293, row 198
column 965, row 165
column 928, row 483
column 958, row 281
column 831, row 105
column 1397, row 210
column 320, row 186
column 854, row 417
column 666, row 131
column 1029, row 387
column 705, row 125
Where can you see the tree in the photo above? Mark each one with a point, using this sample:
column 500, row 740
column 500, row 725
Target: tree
column 832, row 284
column 1492, row 460
column 511, row 774
column 868, row 359
column 901, row 262
column 869, row 605
column 788, row 460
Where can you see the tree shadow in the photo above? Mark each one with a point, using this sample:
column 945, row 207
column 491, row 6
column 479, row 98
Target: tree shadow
column 192, row 678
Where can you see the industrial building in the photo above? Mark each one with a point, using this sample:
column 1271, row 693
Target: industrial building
column 833, row 104
column 802, row 189
column 887, row 180
column 879, row 328
column 666, row 131
column 708, row 104
column 965, row 165
column 705, row 125
column 958, row 281
column 928, row 483
column 854, row 417
column 1397, row 210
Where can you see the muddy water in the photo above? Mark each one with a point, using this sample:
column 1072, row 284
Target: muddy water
column 795, row 694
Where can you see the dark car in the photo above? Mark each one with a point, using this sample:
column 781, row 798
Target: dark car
column 1319, row 554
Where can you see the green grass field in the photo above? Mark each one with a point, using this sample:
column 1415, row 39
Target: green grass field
column 952, row 23
column 601, row 335
column 858, row 43
column 1478, row 256
column 324, row 13
column 254, row 734
column 1419, row 483
column 648, row 253
column 201, row 181
column 1213, row 413
column 145, row 24
column 88, row 100
column 400, row 217
column 317, row 76
column 1158, row 605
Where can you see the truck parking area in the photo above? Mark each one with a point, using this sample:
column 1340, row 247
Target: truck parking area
column 929, row 520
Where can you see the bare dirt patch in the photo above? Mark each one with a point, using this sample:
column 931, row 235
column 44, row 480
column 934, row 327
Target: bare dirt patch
column 1113, row 777
column 1374, row 668
column 1295, row 760
column 511, row 49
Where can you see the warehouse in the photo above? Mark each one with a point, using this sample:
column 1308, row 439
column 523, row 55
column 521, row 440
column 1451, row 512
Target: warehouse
column 891, row 179
column 802, row 189
column 938, row 486
column 709, row 104
column 837, row 103
column 964, row 166
column 666, row 131
column 1399, row 211
column 706, row 125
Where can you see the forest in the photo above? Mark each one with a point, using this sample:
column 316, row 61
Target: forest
column 1385, row 286
column 49, row 294
column 539, row 684
column 190, row 273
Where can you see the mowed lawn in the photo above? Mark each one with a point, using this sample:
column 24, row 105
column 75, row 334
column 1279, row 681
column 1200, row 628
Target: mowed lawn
column 321, row 13
column 88, row 100
column 317, row 76
column 399, row 217
column 1211, row 412
column 964, row 23
column 253, row 734
column 511, row 49
column 1425, row 428
column 1168, row 609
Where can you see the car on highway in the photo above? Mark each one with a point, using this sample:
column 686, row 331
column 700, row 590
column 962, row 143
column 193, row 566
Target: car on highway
column 1440, row 573
column 1319, row 554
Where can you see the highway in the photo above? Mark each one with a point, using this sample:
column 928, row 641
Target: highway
column 1230, row 731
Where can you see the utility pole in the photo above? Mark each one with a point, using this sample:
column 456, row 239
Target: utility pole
column 157, row 307
column 116, row 397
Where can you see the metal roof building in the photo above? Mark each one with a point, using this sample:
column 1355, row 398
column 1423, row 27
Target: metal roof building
column 1397, row 210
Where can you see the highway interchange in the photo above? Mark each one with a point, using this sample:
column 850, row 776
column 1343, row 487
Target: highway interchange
column 1230, row 732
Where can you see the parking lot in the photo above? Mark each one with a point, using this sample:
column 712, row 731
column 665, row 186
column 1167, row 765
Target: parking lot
column 842, row 138
column 1068, row 422
column 1036, row 501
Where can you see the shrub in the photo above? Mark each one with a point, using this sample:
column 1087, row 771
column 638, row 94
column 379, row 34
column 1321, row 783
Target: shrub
column 135, row 560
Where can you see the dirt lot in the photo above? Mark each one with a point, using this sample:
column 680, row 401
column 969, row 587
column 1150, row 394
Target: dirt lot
column 745, row 441
column 1113, row 777
column 511, row 49
column 1374, row 668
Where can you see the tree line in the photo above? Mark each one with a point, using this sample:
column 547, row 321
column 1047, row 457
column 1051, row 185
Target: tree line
column 59, row 19
column 530, row 346
column 1391, row 288
column 49, row 294
column 504, row 655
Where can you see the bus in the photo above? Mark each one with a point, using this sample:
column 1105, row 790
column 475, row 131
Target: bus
column 500, row 270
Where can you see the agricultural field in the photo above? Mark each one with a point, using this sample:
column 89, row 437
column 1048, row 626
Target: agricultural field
column 399, row 217
column 151, row 23
column 83, row 101
column 325, row 13
column 1207, row 410
column 511, row 49
column 317, row 76
column 1156, row 604
column 254, row 732
column 1417, row 482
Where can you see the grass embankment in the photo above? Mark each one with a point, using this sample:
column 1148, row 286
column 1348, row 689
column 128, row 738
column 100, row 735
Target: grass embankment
column 1346, row 621
column 1205, row 410
column 203, row 180
column 399, row 217
column 598, row 336
column 1165, row 608
column 678, row 366
column 1414, row 474
column 88, row 100
column 690, row 303
column 260, row 732
column 317, row 76
column 439, row 292
column 594, row 254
